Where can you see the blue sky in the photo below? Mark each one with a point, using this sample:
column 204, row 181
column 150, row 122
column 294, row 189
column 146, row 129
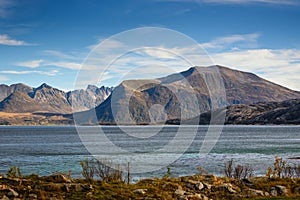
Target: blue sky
column 48, row 40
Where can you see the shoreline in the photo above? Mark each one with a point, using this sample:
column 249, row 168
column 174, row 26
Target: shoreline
column 206, row 187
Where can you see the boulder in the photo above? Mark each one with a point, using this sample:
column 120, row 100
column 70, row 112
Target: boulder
column 253, row 193
column 282, row 191
column 227, row 187
column 194, row 185
column 206, row 185
column 273, row 192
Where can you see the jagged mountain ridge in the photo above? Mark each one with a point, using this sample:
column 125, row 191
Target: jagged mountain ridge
column 20, row 98
column 152, row 101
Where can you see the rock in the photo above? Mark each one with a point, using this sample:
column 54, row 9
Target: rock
column 194, row 196
column 227, row 187
column 281, row 190
column 179, row 192
column 273, row 192
column 199, row 186
column 194, row 185
column 267, row 194
column 206, row 186
column 33, row 196
column 57, row 178
column 12, row 193
column 5, row 197
column 140, row 191
column 253, row 193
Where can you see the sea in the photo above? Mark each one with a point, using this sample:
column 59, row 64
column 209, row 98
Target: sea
column 150, row 150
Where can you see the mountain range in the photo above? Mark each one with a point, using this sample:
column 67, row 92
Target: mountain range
column 183, row 96
column 190, row 96
column 20, row 98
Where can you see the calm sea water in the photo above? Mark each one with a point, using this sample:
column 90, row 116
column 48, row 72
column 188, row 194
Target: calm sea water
column 45, row 150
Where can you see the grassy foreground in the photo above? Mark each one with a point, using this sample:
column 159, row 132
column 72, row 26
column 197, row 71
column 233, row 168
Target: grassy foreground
column 204, row 187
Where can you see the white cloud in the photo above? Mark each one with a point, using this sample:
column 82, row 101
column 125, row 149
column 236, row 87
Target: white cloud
column 220, row 43
column 281, row 66
column 6, row 40
column 66, row 65
column 31, row 64
column 61, row 55
column 48, row 73
column 41, row 63
column 107, row 44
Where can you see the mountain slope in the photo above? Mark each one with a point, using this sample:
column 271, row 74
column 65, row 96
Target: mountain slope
column 284, row 112
column 183, row 96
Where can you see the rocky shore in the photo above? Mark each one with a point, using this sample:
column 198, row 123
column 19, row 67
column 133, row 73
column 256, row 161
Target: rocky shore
column 202, row 187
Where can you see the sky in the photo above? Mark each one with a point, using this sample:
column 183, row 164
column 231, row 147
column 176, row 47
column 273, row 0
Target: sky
column 55, row 42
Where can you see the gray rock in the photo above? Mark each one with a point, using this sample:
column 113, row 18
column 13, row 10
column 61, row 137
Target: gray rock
column 199, row 186
column 273, row 192
column 179, row 192
column 140, row 191
column 267, row 194
column 281, row 190
column 227, row 187
column 206, row 186
column 253, row 193
column 194, row 185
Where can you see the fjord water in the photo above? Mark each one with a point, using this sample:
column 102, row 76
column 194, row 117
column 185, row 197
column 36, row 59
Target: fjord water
column 45, row 150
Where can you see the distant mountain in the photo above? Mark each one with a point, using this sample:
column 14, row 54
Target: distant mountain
column 285, row 112
column 6, row 90
column 86, row 99
column 158, row 100
column 20, row 98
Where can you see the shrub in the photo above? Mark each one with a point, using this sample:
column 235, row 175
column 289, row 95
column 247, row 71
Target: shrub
column 103, row 170
column 228, row 168
column 14, row 172
column 283, row 170
column 238, row 172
